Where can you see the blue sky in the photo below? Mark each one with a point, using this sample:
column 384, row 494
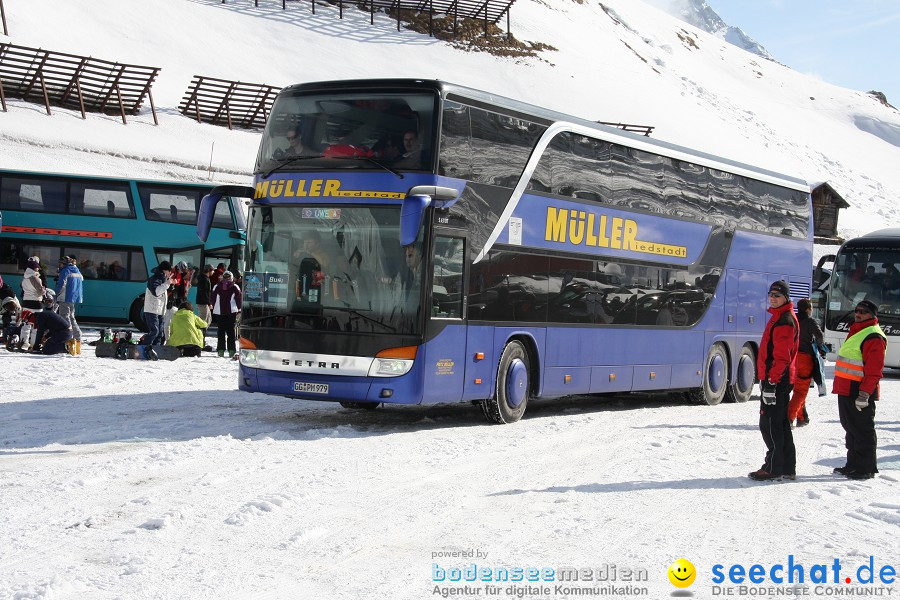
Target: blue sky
column 851, row 43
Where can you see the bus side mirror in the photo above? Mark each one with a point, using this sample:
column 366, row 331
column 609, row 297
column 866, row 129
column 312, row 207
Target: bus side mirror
column 411, row 214
column 209, row 202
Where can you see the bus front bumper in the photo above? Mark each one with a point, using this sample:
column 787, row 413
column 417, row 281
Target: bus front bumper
column 406, row 389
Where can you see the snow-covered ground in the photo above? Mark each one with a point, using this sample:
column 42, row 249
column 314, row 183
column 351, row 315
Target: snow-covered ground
column 161, row 480
column 132, row 480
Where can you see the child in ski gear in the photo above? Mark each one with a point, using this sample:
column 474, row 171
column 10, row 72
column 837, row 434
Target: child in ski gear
column 857, row 373
column 187, row 330
column 775, row 367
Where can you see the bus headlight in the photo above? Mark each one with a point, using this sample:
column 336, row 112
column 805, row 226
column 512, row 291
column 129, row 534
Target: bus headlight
column 390, row 367
column 248, row 359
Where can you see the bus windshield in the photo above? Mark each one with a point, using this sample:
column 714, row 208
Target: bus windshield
column 864, row 274
column 348, row 131
column 331, row 268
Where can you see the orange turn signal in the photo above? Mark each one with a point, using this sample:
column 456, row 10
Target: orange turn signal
column 407, row 352
column 247, row 344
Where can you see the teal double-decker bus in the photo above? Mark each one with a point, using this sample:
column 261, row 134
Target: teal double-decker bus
column 118, row 229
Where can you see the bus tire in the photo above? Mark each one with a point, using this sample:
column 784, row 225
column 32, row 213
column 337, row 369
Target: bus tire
column 741, row 388
column 361, row 405
column 715, row 378
column 513, row 386
column 136, row 314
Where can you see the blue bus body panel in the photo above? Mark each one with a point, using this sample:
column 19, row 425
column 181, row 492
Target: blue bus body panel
column 560, row 225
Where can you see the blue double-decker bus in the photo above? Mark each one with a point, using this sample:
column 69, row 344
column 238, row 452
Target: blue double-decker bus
column 417, row 242
column 118, row 229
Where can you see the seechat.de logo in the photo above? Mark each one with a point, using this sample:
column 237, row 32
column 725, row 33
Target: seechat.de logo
column 682, row 573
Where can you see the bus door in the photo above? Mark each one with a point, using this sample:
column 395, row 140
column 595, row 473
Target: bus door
column 445, row 350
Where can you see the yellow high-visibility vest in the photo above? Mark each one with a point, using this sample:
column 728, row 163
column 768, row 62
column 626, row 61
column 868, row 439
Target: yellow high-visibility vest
column 849, row 363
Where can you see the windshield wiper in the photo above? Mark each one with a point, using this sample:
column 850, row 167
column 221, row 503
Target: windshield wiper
column 359, row 313
column 377, row 163
column 288, row 161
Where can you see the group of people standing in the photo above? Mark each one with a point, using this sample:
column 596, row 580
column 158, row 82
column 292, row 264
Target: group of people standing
column 43, row 312
column 170, row 316
column 786, row 364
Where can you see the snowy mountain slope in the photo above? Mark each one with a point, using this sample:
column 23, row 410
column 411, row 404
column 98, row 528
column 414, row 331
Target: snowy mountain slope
column 621, row 60
column 699, row 14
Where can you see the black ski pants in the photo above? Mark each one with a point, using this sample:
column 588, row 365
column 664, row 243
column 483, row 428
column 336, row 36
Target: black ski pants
column 781, row 456
column 859, row 438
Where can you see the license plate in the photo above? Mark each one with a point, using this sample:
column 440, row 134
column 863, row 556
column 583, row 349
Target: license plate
column 311, row 388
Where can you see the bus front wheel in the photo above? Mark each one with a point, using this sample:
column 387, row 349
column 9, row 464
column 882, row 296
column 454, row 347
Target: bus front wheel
column 741, row 388
column 136, row 314
column 715, row 378
column 513, row 386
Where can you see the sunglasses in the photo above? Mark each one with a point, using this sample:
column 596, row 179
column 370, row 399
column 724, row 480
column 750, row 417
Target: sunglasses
column 861, row 311
column 775, row 295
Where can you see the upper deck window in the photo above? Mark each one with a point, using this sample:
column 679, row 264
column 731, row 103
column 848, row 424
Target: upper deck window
column 349, row 131
column 178, row 205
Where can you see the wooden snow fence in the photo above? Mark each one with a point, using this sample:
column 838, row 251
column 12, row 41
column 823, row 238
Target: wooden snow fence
column 72, row 81
column 226, row 102
column 488, row 11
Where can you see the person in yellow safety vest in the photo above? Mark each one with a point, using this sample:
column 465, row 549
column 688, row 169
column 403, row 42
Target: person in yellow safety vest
column 857, row 372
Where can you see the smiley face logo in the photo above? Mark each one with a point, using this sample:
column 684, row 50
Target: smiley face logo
column 682, row 573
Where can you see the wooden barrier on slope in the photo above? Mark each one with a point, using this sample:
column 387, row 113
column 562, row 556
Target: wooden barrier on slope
column 226, row 102
column 73, row 81
column 488, row 11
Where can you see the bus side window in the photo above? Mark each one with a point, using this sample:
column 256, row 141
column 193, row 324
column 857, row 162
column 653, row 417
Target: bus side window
column 447, row 287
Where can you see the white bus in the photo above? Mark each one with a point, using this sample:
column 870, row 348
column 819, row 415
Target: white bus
column 866, row 267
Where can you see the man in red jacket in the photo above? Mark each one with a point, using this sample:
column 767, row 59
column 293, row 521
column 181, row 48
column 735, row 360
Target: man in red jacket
column 776, row 371
column 857, row 372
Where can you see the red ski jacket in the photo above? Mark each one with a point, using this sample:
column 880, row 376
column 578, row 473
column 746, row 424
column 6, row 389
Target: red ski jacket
column 778, row 347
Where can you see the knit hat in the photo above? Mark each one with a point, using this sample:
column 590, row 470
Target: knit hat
column 869, row 306
column 782, row 288
column 208, row 267
column 228, row 275
column 165, row 266
column 33, row 263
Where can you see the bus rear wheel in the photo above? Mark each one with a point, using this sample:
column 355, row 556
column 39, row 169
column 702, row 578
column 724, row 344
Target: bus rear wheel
column 741, row 388
column 136, row 314
column 715, row 378
column 513, row 386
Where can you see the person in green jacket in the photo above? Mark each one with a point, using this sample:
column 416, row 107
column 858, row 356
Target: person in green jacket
column 187, row 330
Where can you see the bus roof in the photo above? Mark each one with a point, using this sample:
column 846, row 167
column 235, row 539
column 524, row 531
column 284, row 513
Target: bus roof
column 889, row 236
column 29, row 172
column 453, row 91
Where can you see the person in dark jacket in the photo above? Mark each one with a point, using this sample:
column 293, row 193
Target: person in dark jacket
column 775, row 367
column 204, row 287
column 806, row 361
column 59, row 329
column 226, row 298
column 857, row 373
